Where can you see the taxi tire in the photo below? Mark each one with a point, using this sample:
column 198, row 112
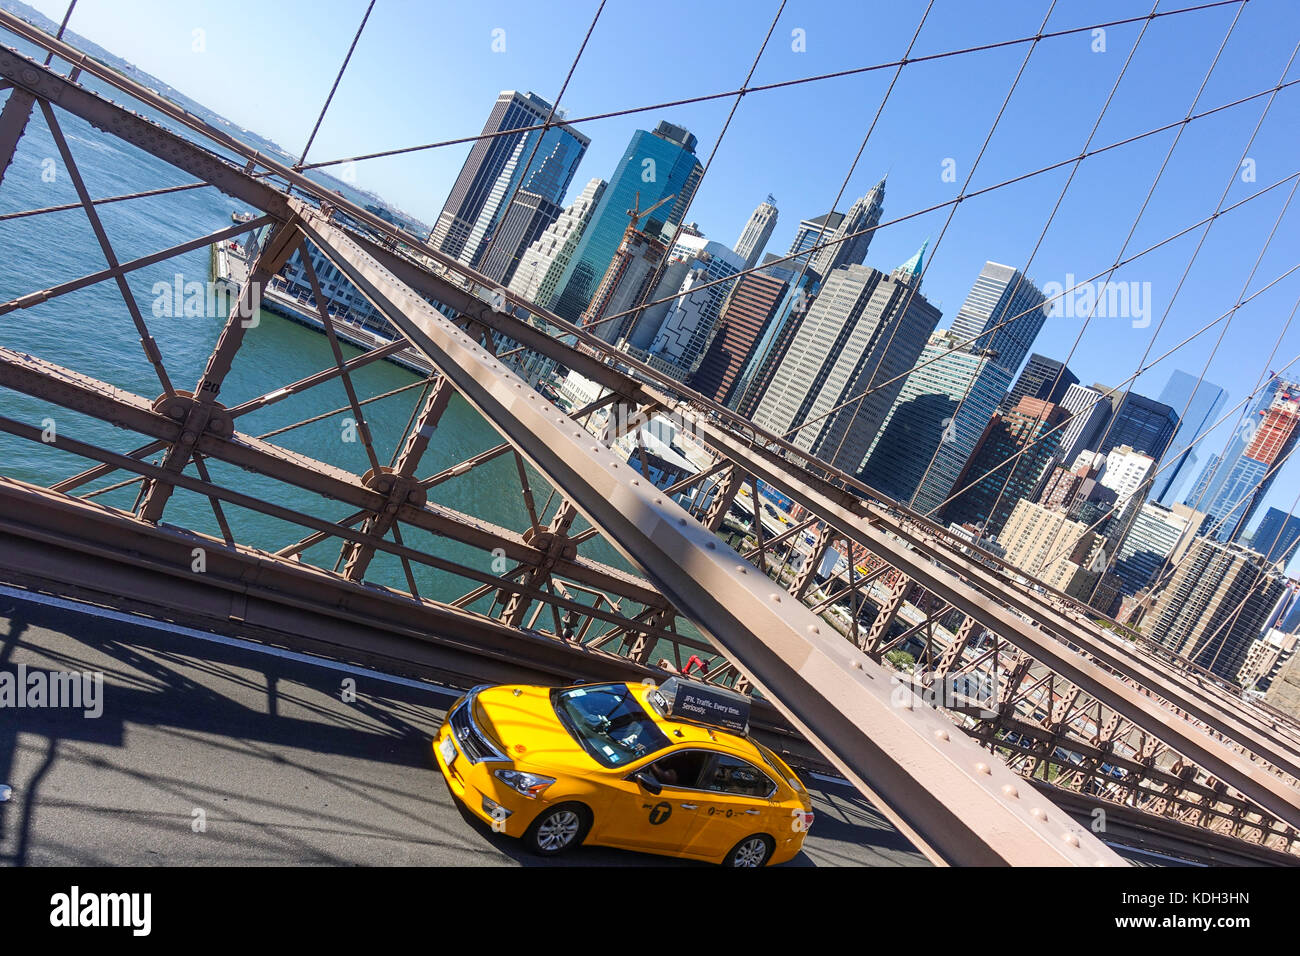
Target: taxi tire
column 730, row 859
column 584, row 825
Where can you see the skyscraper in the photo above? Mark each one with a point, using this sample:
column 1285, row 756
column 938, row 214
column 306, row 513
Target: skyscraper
column 546, row 259
column 1157, row 536
column 1043, row 378
column 1277, row 536
column 1003, row 313
column 1207, row 490
column 864, row 329
column 746, row 316
column 495, row 168
column 863, row 215
column 655, row 166
column 692, row 318
column 1141, row 423
column 1215, row 605
column 754, row 237
column 1008, row 465
column 935, row 424
column 1272, row 434
column 1202, row 403
column 1089, row 410
column 812, row 232
column 951, row 400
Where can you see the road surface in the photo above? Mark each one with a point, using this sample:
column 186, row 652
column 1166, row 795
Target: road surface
column 212, row 752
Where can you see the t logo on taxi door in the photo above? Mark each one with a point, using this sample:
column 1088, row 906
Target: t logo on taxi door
column 660, row 812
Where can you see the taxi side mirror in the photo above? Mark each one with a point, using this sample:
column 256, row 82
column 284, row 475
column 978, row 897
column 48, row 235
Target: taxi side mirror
column 648, row 783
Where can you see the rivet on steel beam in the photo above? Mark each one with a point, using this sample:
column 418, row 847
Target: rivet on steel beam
column 741, row 568
column 939, row 734
column 635, row 481
column 712, row 546
column 1071, row 839
column 1038, row 813
column 775, row 597
column 857, row 665
column 1010, row 791
column 982, row 767
column 682, row 522
column 814, row 629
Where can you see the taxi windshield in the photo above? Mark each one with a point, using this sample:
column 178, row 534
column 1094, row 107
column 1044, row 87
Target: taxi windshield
column 608, row 722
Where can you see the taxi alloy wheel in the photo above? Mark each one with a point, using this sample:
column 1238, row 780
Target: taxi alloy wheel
column 557, row 829
column 750, row 852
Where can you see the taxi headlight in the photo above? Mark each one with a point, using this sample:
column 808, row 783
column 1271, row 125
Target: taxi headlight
column 529, row 784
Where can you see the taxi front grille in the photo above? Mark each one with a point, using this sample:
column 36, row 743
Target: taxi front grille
column 471, row 741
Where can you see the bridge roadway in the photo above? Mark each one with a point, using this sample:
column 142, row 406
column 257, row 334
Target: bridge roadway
column 284, row 770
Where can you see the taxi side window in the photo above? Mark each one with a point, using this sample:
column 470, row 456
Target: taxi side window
column 682, row 769
column 733, row 775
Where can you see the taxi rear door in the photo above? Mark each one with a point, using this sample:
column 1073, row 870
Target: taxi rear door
column 734, row 803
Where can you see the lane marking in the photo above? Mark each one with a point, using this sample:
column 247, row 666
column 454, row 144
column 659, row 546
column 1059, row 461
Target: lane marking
column 91, row 610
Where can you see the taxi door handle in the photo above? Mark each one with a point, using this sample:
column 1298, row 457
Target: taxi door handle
column 690, row 806
column 752, row 813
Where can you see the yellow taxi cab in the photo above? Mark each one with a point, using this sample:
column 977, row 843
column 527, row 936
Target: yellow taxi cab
column 668, row 770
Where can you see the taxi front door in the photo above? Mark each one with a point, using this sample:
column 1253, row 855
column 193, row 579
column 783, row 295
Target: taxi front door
column 638, row 819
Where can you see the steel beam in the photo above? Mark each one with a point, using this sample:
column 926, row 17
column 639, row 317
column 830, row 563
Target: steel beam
column 931, row 780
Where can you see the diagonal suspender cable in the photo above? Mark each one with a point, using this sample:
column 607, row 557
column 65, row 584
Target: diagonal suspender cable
column 1164, row 165
column 333, row 89
column 915, row 286
column 1101, row 115
column 782, row 84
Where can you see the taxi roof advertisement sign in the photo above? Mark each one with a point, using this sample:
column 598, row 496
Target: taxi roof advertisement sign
column 692, row 701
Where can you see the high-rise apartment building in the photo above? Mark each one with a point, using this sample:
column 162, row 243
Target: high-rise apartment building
column 655, row 166
column 864, row 329
column 1048, row 545
column 1215, row 605
column 1008, row 465
column 1043, row 378
column 546, row 259
column 757, row 232
column 746, row 316
column 1125, row 471
column 496, row 167
column 1277, row 536
column 933, row 426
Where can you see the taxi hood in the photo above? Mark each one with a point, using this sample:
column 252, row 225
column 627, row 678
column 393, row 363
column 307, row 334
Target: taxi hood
column 522, row 720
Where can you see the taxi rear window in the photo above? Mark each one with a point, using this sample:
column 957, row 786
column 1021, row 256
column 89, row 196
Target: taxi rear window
column 783, row 771
column 608, row 722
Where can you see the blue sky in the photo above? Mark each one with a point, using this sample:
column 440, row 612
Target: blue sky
column 427, row 71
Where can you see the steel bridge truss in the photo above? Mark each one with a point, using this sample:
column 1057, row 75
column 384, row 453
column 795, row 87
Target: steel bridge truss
column 1020, row 703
